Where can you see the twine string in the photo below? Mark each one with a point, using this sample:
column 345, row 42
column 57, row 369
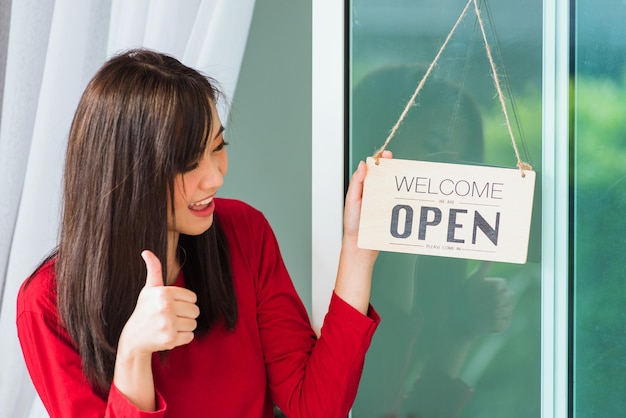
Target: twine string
column 496, row 80
column 411, row 101
column 520, row 164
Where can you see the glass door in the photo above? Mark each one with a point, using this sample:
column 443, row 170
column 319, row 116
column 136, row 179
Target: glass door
column 598, row 202
column 458, row 338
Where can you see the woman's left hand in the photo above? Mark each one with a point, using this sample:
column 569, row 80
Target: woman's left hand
column 354, row 276
column 354, row 197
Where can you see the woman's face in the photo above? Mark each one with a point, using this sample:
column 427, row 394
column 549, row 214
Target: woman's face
column 195, row 189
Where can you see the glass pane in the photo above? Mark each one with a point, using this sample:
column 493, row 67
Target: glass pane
column 458, row 338
column 599, row 140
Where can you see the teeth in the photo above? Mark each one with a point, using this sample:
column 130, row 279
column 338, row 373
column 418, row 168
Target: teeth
column 203, row 202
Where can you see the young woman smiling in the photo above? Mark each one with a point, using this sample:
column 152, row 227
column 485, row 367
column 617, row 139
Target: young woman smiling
column 162, row 299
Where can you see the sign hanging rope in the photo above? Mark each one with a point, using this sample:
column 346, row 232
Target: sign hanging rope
column 520, row 164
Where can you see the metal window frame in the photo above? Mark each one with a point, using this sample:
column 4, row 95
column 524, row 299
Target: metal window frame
column 555, row 373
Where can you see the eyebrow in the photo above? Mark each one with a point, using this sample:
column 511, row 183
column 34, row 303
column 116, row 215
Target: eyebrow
column 219, row 132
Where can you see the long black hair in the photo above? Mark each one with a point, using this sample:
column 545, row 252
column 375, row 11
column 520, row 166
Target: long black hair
column 143, row 118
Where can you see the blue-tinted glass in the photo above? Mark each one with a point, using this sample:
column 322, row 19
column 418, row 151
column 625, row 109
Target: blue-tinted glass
column 599, row 194
column 458, row 338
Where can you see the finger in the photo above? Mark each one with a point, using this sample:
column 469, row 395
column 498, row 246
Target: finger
column 506, row 299
column 184, row 337
column 481, row 270
column 355, row 189
column 181, row 294
column 352, row 209
column 501, row 324
column 507, row 306
column 187, row 310
column 387, row 154
column 186, row 325
column 359, row 173
column 154, row 277
column 177, row 339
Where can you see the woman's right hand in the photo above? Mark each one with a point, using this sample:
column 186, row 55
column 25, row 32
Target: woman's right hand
column 164, row 318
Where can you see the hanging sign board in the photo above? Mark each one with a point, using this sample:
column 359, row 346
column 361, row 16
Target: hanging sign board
column 450, row 210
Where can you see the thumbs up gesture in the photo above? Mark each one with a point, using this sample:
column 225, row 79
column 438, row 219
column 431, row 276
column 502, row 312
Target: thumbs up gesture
column 489, row 303
column 164, row 317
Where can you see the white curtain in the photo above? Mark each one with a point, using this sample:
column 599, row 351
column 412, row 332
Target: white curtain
column 48, row 52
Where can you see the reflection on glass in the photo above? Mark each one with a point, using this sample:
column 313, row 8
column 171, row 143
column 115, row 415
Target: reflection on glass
column 599, row 194
column 458, row 338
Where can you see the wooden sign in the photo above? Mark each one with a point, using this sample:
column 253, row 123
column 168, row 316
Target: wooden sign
column 450, row 210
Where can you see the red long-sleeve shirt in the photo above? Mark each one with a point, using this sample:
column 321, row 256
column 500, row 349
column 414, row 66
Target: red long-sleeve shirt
column 271, row 356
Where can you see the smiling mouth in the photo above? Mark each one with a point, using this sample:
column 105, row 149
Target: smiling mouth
column 202, row 204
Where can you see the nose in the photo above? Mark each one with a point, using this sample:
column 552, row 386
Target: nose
column 212, row 175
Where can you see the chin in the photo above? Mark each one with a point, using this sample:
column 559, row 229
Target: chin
column 199, row 230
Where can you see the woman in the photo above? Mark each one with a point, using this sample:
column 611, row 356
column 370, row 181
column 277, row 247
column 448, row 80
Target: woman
column 208, row 323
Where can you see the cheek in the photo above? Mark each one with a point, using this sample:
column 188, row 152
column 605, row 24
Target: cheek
column 223, row 163
column 180, row 191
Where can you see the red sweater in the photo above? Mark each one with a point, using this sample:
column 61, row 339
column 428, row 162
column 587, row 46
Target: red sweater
column 272, row 355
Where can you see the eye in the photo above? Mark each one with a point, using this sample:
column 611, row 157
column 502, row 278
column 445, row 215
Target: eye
column 220, row 146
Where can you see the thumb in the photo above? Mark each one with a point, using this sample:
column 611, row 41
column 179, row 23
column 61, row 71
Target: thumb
column 154, row 277
column 481, row 270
